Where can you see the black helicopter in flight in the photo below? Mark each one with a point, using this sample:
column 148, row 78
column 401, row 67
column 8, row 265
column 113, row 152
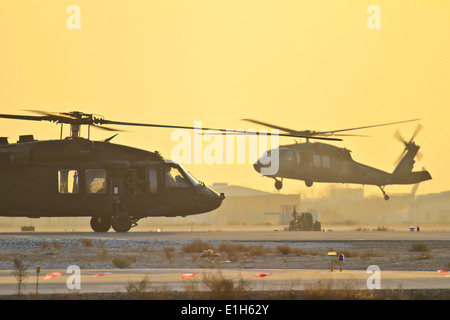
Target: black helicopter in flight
column 115, row 185
column 320, row 162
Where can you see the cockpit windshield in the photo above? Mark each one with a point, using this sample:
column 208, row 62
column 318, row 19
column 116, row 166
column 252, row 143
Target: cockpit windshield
column 189, row 176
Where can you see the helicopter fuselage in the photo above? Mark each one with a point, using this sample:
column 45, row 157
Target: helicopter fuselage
column 320, row 162
column 80, row 177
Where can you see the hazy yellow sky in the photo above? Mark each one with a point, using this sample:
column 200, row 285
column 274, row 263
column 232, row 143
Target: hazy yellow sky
column 297, row 63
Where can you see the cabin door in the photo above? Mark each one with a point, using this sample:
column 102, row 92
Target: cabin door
column 80, row 191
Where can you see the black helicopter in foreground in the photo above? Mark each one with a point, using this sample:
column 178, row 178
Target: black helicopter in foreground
column 114, row 184
column 320, row 162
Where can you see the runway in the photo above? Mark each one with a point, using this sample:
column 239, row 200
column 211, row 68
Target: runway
column 241, row 234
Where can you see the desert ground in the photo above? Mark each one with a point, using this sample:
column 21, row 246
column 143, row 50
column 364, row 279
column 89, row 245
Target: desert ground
column 296, row 261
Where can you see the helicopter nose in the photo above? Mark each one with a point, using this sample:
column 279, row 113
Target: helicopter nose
column 210, row 200
column 257, row 166
column 216, row 200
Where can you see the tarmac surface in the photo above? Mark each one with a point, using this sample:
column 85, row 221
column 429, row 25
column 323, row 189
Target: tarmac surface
column 241, row 234
column 116, row 280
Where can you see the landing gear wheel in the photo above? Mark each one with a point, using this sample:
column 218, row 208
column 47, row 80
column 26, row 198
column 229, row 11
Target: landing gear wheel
column 278, row 184
column 309, row 183
column 121, row 222
column 101, row 223
column 386, row 197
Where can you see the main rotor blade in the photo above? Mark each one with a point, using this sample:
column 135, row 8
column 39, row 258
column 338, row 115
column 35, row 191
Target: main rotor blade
column 271, row 125
column 350, row 135
column 365, row 127
column 20, row 117
column 295, row 133
column 323, row 133
column 227, row 131
column 230, row 132
column 106, row 128
column 122, row 123
column 57, row 116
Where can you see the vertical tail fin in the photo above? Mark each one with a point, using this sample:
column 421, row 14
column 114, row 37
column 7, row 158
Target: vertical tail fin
column 407, row 161
column 403, row 173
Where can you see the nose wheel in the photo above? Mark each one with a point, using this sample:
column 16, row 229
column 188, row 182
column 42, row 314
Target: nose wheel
column 386, row 197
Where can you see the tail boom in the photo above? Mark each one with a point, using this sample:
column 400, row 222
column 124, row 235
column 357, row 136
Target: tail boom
column 410, row 177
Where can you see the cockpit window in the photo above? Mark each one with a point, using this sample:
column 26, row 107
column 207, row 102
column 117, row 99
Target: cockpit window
column 174, row 178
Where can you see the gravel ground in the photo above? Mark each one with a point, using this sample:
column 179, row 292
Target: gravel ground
column 105, row 254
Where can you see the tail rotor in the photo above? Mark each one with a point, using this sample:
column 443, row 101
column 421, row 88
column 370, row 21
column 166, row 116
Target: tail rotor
column 409, row 145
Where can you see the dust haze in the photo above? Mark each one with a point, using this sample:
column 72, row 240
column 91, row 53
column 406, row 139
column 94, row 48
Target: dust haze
column 336, row 207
